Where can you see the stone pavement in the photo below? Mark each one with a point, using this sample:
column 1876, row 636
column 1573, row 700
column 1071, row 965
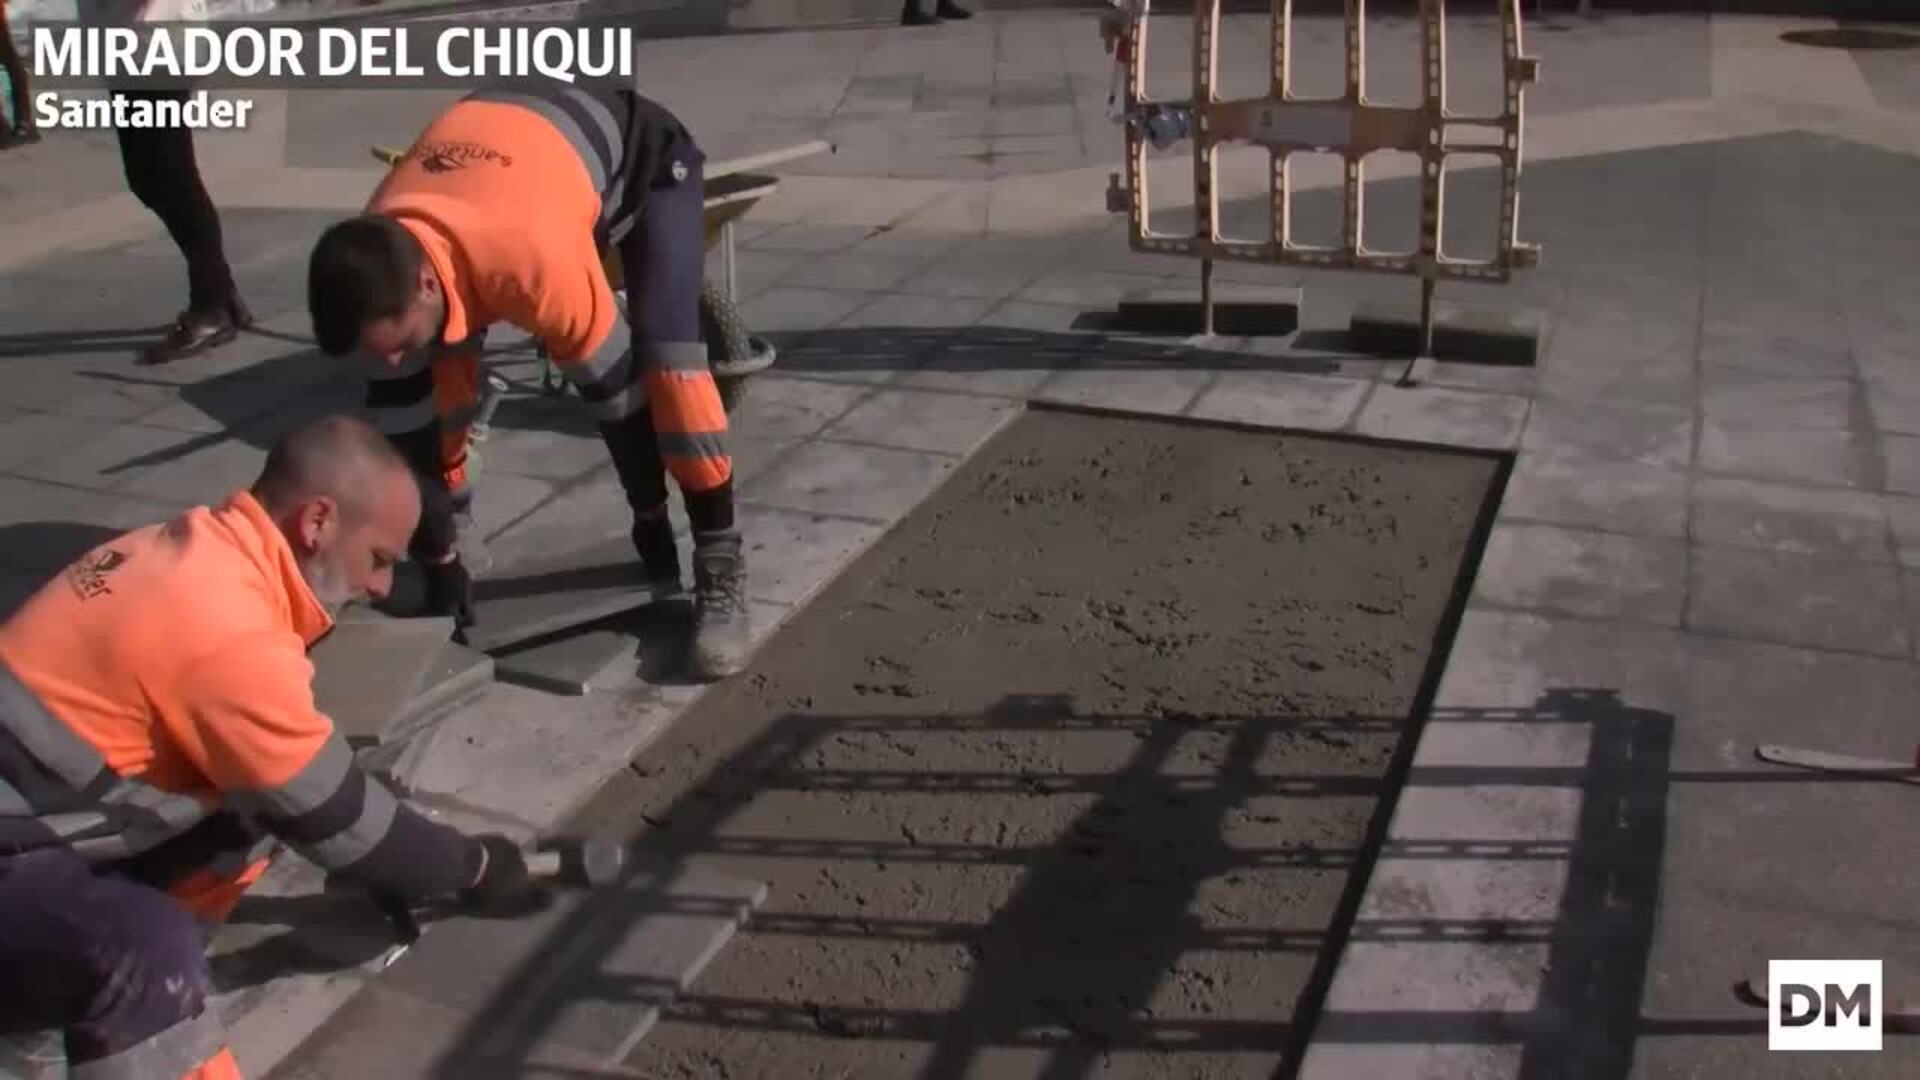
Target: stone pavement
column 1709, row 537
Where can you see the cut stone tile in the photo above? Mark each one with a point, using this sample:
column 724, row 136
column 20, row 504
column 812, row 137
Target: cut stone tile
column 543, row 454
column 1468, row 739
column 1810, row 456
column 1330, row 1059
column 1101, row 290
column 266, row 1022
column 1593, row 431
column 1466, row 890
column 592, row 509
column 540, row 597
column 644, row 940
column 1513, row 660
column 858, row 271
column 367, row 668
column 27, row 436
column 1487, row 813
column 1282, row 399
column 1818, row 603
column 1605, row 575
column 867, row 482
column 1768, row 350
column 924, row 420
column 500, row 499
column 455, row 673
column 1743, row 693
column 790, row 408
column 1167, row 390
column 114, row 453
column 811, row 239
column 786, row 308
column 790, row 554
column 1745, row 399
column 1618, row 496
column 1789, row 520
column 207, row 475
column 567, row 665
column 1450, row 417
column 418, row 1038
column 901, row 309
column 1482, row 978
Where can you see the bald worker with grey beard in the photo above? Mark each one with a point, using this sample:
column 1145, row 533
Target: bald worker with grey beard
column 159, row 738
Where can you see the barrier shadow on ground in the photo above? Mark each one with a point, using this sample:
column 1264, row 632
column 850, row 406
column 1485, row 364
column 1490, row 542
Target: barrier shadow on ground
column 1586, row 1012
column 1066, row 967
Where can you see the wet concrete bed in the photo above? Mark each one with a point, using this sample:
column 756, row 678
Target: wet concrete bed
column 1072, row 768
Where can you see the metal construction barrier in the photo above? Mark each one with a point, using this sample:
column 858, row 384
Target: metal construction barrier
column 1348, row 125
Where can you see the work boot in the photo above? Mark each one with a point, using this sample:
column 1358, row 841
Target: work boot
column 659, row 555
column 912, row 15
column 947, row 9
column 720, row 632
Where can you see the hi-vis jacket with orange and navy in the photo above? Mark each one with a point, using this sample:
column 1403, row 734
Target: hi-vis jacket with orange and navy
column 514, row 192
column 164, row 677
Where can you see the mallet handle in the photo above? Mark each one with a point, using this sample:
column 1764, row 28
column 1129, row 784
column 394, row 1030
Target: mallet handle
column 543, row 863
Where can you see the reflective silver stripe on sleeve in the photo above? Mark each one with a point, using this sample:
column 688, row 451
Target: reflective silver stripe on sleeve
column 618, row 407
column 694, row 444
column 167, row 1055
column 51, row 742
column 563, row 121
column 357, row 841
column 307, row 789
column 71, row 826
column 673, row 355
column 600, row 364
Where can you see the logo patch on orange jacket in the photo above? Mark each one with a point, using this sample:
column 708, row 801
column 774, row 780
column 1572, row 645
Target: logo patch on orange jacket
column 89, row 576
column 445, row 157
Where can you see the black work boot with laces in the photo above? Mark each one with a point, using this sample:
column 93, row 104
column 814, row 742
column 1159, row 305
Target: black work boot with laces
column 659, row 555
column 720, row 631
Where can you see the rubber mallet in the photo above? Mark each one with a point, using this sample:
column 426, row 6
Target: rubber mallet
column 591, row 863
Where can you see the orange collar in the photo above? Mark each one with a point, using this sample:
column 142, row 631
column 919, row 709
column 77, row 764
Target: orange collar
column 440, row 253
column 269, row 548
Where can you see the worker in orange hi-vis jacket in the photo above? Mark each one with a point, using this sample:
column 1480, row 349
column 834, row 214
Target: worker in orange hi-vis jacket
column 159, row 738
column 500, row 212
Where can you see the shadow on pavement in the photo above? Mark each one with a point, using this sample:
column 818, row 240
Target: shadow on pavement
column 1045, row 950
column 43, row 548
column 41, row 343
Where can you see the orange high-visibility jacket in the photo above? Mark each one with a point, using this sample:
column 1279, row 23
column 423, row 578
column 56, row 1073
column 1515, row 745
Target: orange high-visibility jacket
column 164, row 676
column 514, row 192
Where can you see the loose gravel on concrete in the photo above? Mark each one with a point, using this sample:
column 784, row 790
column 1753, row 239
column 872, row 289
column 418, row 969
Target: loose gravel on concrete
column 1066, row 775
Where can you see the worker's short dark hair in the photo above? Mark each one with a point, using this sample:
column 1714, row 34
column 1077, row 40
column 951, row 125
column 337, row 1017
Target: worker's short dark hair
column 363, row 269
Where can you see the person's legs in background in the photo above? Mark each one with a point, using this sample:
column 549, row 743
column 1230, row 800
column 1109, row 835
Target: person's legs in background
column 22, row 129
column 914, row 12
column 664, row 263
column 117, row 966
column 164, row 175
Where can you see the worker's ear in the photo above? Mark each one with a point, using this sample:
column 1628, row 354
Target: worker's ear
column 319, row 520
column 429, row 281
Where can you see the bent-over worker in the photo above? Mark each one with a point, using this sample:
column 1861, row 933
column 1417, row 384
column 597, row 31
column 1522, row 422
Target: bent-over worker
column 158, row 735
column 500, row 212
